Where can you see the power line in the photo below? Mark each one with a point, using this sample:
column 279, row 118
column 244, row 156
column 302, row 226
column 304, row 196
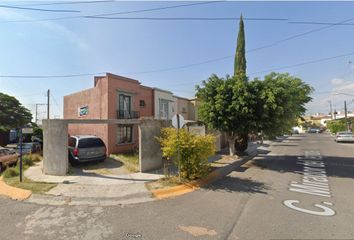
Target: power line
column 187, row 18
column 304, row 63
column 321, row 23
column 263, row 71
column 113, row 13
column 38, row 9
column 67, row 3
column 156, row 9
column 52, row 76
column 285, row 67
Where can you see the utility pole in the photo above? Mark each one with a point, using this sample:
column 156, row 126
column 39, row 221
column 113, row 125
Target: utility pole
column 36, row 116
column 345, row 115
column 330, row 108
column 48, row 95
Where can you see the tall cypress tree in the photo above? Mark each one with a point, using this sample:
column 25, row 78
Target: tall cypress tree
column 241, row 141
column 240, row 56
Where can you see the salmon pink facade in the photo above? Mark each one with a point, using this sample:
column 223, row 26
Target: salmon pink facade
column 112, row 97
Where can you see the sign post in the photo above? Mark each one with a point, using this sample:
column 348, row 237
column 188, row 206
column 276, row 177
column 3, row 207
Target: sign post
column 21, row 154
column 23, row 131
column 178, row 122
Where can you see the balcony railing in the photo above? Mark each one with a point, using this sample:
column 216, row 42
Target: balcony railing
column 124, row 114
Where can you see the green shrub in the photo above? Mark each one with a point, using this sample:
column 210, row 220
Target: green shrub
column 11, row 172
column 336, row 125
column 27, row 160
column 36, row 157
column 194, row 151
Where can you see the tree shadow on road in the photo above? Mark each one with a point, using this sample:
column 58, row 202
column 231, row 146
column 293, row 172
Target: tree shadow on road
column 342, row 167
column 235, row 184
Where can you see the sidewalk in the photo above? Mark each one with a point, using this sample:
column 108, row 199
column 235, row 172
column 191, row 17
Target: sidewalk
column 89, row 188
column 96, row 188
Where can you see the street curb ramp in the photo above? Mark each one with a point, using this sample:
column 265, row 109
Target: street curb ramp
column 13, row 192
column 210, row 178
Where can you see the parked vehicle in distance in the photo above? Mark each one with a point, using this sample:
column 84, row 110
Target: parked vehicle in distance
column 314, row 130
column 344, row 137
column 27, row 147
column 7, row 158
column 86, row 148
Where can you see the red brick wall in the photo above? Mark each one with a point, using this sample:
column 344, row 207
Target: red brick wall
column 118, row 83
column 96, row 99
column 102, row 102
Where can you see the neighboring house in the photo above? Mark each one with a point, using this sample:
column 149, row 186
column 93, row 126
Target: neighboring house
column 164, row 104
column 112, row 97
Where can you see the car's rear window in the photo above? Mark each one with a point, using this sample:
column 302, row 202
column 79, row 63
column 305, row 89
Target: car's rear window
column 90, row 142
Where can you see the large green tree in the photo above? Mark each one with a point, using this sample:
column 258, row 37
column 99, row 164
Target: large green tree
column 278, row 102
column 225, row 106
column 12, row 113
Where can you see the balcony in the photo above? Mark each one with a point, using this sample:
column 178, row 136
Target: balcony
column 124, row 114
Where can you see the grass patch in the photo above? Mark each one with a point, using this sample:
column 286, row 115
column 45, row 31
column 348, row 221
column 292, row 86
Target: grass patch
column 130, row 160
column 36, row 157
column 165, row 182
column 11, row 176
column 35, row 187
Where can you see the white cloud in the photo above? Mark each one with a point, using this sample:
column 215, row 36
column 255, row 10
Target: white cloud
column 337, row 81
column 10, row 15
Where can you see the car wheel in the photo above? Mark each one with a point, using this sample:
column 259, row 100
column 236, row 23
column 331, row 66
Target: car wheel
column 73, row 161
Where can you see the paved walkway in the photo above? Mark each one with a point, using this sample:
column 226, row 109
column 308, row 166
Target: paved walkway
column 88, row 187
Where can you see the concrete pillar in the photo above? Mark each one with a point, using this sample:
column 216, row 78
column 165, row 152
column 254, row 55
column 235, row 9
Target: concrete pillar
column 55, row 147
column 150, row 155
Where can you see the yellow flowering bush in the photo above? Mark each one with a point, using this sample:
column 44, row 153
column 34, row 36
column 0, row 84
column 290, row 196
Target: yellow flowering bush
column 194, row 151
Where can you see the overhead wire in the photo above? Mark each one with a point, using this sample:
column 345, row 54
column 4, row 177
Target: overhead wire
column 39, row 9
column 112, row 13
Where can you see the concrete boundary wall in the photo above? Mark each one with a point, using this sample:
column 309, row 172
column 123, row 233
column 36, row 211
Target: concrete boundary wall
column 55, row 141
column 150, row 155
column 55, row 147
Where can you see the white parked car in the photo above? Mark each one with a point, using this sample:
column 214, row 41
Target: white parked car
column 344, row 137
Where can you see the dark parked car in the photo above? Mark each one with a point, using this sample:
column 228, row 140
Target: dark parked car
column 7, row 158
column 314, row 130
column 85, row 149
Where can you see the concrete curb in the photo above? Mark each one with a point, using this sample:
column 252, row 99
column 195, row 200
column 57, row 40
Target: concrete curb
column 210, row 178
column 13, row 192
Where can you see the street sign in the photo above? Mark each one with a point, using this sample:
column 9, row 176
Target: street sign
column 175, row 121
column 27, row 130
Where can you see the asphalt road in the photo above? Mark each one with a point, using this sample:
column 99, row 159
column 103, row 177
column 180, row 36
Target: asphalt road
column 249, row 203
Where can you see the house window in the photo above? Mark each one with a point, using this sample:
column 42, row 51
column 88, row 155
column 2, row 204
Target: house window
column 124, row 134
column 125, row 103
column 163, row 109
column 142, row 103
column 184, row 110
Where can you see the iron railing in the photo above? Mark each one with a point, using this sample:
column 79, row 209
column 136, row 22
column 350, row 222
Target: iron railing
column 124, row 114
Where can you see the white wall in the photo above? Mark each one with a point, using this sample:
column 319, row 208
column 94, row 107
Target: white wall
column 161, row 94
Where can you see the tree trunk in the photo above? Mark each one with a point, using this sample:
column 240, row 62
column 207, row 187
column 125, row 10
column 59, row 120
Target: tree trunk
column 241, row 143
column 231, row 141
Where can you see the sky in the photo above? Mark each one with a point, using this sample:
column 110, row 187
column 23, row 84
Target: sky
column 173, row 55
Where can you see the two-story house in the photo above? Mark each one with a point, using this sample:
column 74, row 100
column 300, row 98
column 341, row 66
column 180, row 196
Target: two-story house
column 112, row 97
column 164, row 104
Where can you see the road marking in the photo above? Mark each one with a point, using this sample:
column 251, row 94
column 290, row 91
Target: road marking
column 197, row 231
column 326, row 210
column 314, row 182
